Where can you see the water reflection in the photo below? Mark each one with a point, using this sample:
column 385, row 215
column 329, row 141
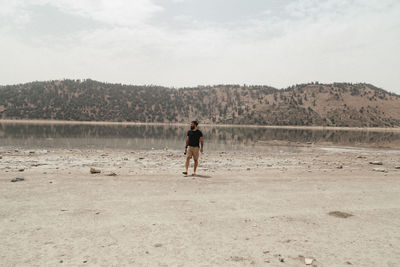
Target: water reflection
column 161, row 136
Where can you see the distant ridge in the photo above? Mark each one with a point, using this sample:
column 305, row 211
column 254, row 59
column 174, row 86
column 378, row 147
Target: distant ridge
column 313, row 104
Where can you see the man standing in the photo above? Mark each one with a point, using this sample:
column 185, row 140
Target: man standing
column 193, row 140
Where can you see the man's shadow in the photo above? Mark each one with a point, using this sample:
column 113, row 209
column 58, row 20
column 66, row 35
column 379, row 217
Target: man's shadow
column 199, row 176
column 202, row 176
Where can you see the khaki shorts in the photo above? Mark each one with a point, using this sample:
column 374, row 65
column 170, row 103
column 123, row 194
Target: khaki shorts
column 193, row 151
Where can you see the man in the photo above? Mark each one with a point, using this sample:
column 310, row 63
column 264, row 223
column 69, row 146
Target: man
column 193, row 140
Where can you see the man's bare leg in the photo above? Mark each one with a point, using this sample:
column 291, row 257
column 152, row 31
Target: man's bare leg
column 187, row 165
column 196, row 162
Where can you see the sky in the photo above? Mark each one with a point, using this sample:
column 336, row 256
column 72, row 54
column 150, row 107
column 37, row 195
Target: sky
column 178, row 43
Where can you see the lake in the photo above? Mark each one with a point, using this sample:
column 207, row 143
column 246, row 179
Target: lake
column 157, row 137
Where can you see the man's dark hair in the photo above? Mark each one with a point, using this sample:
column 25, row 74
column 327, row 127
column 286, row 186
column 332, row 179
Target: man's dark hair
column 195, row 123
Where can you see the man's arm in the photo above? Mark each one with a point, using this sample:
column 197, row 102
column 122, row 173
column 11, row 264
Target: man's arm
column 187, row 143
column 201, row 144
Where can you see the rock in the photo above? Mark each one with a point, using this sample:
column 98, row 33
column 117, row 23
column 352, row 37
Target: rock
column 379, row 170
column 361, row 157
column 31, row 152
column 340, row 167
column 1, row 157
column 111, row 174
column 93, row 170
column 397, row 167
column 308, row 261
column 157, row 245
column 18, row 179
column 37, row 164
column 340, row 214
column 21, row 170
column 248, row 169
column 376, row 162
column 237, row 258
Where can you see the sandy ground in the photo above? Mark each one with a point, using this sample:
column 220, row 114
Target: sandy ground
column 267, row 208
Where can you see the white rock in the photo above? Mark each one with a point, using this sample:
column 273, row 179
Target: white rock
column 379, row 170
column 308, row 261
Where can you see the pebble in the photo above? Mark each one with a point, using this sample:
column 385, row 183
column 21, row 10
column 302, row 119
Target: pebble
column 397, row 167
column 157, row 245
column 376, row 162
column 21, row 170
column 379, row 170
column 308, row 261
column 340, row 214
column 18, row 179
column 111, row 174
column 237, row 258
column 93, row 170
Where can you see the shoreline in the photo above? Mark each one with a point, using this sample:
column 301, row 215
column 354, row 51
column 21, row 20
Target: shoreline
column 110, row 123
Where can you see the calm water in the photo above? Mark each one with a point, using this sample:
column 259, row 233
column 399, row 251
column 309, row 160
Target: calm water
column 146, row 137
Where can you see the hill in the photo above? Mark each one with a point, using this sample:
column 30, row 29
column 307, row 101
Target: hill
column 337, row 104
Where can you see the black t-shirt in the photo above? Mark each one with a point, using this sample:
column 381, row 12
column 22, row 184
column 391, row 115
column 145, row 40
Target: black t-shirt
column 194, row 137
